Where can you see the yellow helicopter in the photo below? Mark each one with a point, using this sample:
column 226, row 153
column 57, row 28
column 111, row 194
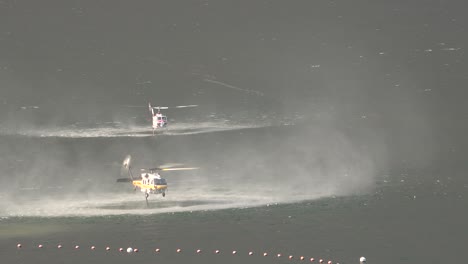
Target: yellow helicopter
column 150, row 182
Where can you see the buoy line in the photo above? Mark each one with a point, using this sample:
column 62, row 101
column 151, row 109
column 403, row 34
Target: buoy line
column 130, row 250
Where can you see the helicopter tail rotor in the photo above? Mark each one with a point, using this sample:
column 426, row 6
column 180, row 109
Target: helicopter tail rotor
column 126, row 164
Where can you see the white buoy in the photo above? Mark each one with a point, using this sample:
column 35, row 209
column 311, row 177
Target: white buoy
column 178, row 250
column 120, row 249
column 59, row 246
column 19, row 246
column 157, row 250
column 362, row 259
column 265, row 254
column 107, row 248
column 129, row 250
column 40, row 246
column 279, row 255
column 291, row 257
column 93, row 247
column 216, row 251
column 135, row 250
column 250, row 253
column 77, row 247
column 198, row 250
column 234, row 252
column 302, row 258
column 312, row 259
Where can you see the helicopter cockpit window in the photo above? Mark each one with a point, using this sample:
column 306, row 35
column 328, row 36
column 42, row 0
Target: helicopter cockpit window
column 160, row 182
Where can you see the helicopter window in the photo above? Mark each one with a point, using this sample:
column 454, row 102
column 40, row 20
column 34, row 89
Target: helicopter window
column 161, row 182
column 159, row 118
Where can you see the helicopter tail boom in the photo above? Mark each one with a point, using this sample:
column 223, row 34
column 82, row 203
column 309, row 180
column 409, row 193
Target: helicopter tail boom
column 124, row 180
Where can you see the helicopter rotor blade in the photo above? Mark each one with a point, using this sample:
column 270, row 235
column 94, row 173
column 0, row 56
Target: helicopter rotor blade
column 169, row 169
column 185, row 106
column 178, row 169
column 161, row 107
column 170, row 165
column 172, row 107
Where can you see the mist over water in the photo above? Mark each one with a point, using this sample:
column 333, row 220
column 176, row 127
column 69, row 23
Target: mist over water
column 63, row 172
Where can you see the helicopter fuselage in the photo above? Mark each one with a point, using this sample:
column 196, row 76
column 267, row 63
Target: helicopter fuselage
column 159, row 121
column 151, row 188
column 151, row 183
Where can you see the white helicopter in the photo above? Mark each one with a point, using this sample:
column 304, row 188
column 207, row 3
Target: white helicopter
column 159, row 119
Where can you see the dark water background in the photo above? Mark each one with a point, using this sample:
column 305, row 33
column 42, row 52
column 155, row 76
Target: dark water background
column 330, row 129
